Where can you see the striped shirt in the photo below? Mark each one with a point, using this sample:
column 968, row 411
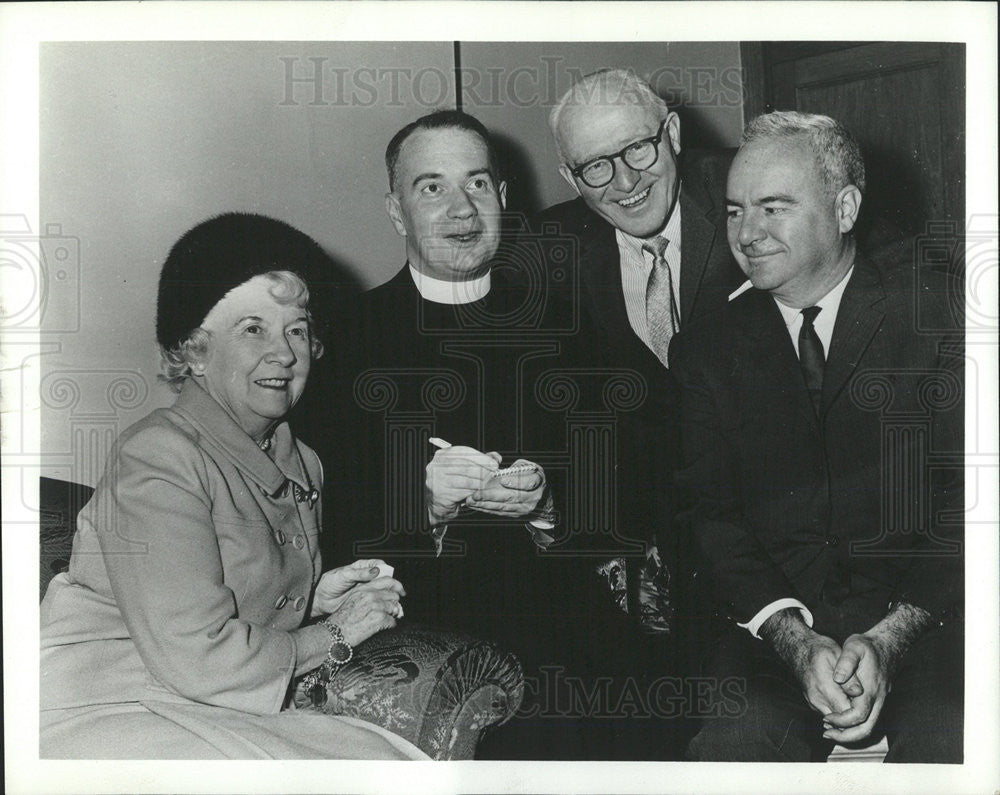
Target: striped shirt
column 636, row 265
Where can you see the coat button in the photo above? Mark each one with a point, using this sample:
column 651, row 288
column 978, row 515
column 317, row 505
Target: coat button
column 279, row 537
column 280, row 602
column 299, row 541
column 299, row 603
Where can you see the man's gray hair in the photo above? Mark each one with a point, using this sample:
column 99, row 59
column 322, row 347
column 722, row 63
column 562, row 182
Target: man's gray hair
column 836, row 150
column 607, row 87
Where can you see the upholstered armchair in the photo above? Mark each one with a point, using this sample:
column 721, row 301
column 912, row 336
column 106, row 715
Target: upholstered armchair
column 439, row 690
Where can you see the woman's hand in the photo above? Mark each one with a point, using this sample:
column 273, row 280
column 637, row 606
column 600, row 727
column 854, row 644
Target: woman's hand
column 336, row 583
column 368, row 608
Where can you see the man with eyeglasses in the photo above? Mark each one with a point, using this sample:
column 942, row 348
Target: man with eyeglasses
column 441, row 364
column 650, row 226
column 641, row 202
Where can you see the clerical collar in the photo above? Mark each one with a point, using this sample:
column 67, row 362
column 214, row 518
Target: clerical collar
column 442, row 292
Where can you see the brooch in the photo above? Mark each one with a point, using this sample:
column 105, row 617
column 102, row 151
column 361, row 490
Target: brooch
column 306, row 495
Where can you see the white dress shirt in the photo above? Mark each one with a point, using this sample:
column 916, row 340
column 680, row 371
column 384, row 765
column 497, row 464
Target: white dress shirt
column 829, row 305
column 636, row 265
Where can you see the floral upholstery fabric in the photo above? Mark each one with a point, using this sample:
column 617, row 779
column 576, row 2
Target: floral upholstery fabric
column 437, row 689
column 655, row 608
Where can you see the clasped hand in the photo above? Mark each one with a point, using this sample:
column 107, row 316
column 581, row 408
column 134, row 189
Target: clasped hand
column 358, row 599
column 846, row 685
column 463, row 476
column 867, row 661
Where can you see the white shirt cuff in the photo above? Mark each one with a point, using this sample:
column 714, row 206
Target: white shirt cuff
column 546, row 514
column 755, row 623
column 437, row 533
column 537, row 527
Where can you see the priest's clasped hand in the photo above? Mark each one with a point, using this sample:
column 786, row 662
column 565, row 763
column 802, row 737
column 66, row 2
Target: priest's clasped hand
column 465, row 477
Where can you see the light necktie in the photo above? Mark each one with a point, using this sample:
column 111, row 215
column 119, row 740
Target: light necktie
column 811, row 357
column 663, row 319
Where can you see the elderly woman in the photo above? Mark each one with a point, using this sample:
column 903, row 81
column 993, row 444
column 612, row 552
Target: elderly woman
column 193, row 599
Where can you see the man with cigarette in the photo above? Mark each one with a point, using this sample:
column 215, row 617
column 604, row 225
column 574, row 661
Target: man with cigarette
column 821, row 424
column 650, row 217
column 448, row 474
column 652, row 257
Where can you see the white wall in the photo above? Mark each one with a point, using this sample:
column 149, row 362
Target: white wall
column 140, row 141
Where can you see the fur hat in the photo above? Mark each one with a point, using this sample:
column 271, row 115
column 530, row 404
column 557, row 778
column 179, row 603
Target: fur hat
column 222, row 253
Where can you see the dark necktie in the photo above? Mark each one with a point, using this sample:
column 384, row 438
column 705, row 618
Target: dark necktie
column 662, row 318
column 811, row 357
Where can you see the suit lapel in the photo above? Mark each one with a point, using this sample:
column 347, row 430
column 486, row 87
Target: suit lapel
column 769, row 365
column 858, row 318
column 601, row 274
column 698, row 236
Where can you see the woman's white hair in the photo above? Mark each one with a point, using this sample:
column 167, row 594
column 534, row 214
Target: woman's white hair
column 607, row 87
column 286, row 288
column 837, row 151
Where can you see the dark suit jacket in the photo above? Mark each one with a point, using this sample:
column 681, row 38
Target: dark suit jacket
column 646, row 451
column 412, row 369
column 408, row 369
column 708, row 272
column 854, row 509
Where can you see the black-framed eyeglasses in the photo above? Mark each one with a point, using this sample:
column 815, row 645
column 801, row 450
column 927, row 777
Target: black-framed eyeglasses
column 640, row 155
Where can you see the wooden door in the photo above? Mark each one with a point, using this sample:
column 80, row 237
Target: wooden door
column 905, row 102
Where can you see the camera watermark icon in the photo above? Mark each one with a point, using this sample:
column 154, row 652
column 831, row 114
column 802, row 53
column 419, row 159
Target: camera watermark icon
column 44, row 272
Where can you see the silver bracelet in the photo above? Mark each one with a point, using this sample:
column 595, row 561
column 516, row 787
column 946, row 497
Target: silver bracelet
column 339, row 653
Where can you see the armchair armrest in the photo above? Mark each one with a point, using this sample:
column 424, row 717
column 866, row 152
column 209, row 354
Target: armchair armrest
column 437, row 689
